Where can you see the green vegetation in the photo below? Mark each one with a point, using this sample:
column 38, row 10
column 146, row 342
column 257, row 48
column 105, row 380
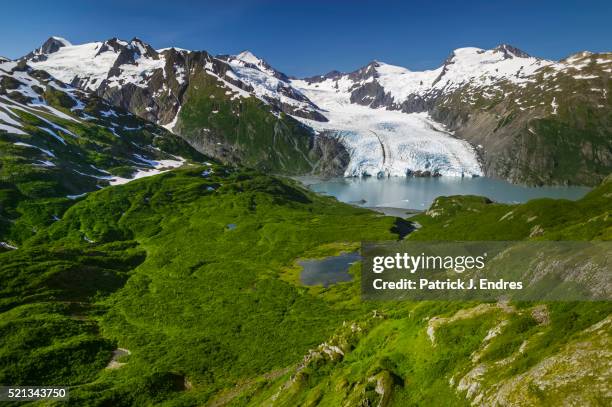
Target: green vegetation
column 202, row 303
column 66, row 152
column 456, row 353
column 212, row 314
column 243, row 130
column 477, row 218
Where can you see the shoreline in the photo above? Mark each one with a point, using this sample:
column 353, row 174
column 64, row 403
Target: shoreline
column 403, row 213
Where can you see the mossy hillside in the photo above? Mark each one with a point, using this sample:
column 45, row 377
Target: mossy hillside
column 207, row 304
column 478, row 218
column 43, row 343
column 514, row 342
column 213, row 314
column 432, row 367
column 242, row 130
column 46, row 303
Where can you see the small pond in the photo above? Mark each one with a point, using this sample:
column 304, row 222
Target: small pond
column 329, row 270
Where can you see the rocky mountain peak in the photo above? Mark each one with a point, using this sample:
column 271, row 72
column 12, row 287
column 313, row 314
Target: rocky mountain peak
column 143, row 48
column 365, row 72
column 53, row 44
column 252, row 60
column 113, row 44
column 248, row 57
column 50, row 46
column 320, row 78
column 474, row 54
column 128, row 51
column 510, row 52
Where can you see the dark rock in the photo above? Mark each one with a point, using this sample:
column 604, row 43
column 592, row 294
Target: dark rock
column 372, row 94
column 510, row 52
column 50, row 46
column 332, row 157
column 321, row 78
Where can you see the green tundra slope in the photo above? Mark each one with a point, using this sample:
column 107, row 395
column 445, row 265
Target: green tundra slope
column 194, row 273
column 449, row 354
column 246, row 131
column 154, row 266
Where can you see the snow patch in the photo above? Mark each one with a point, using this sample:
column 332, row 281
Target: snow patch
column 158, row 168
column 49, row 153
column 170, row 126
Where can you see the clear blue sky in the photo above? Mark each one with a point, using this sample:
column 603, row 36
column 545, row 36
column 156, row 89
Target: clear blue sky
column 312, row 37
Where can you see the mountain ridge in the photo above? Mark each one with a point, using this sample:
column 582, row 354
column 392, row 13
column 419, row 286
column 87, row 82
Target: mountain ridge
column 153, row 84
column 157, row 86
column 470, row 95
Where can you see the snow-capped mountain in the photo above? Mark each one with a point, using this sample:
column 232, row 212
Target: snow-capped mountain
column 271, row 86
column 59, row 141
column 115, row 67
column 248, row 59
column 223, row 105
column 509, row 105
column 53, row 44
column 489, row 105
column 361, row 106
column 396, row 88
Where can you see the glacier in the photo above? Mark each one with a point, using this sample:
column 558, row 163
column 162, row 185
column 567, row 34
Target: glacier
column 385, row 142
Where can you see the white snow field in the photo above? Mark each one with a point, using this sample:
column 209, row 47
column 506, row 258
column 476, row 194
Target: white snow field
column 87, row 63
column 159, row 166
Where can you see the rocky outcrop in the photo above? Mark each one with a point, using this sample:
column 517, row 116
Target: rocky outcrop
column 53, row 44
column 329, row 155
column 371, row 94
column 581, row 364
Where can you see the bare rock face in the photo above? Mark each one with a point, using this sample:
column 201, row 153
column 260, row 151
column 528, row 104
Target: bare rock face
column 536, row 135
column 331, row 155
column 53, row 44
column 371, row 94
